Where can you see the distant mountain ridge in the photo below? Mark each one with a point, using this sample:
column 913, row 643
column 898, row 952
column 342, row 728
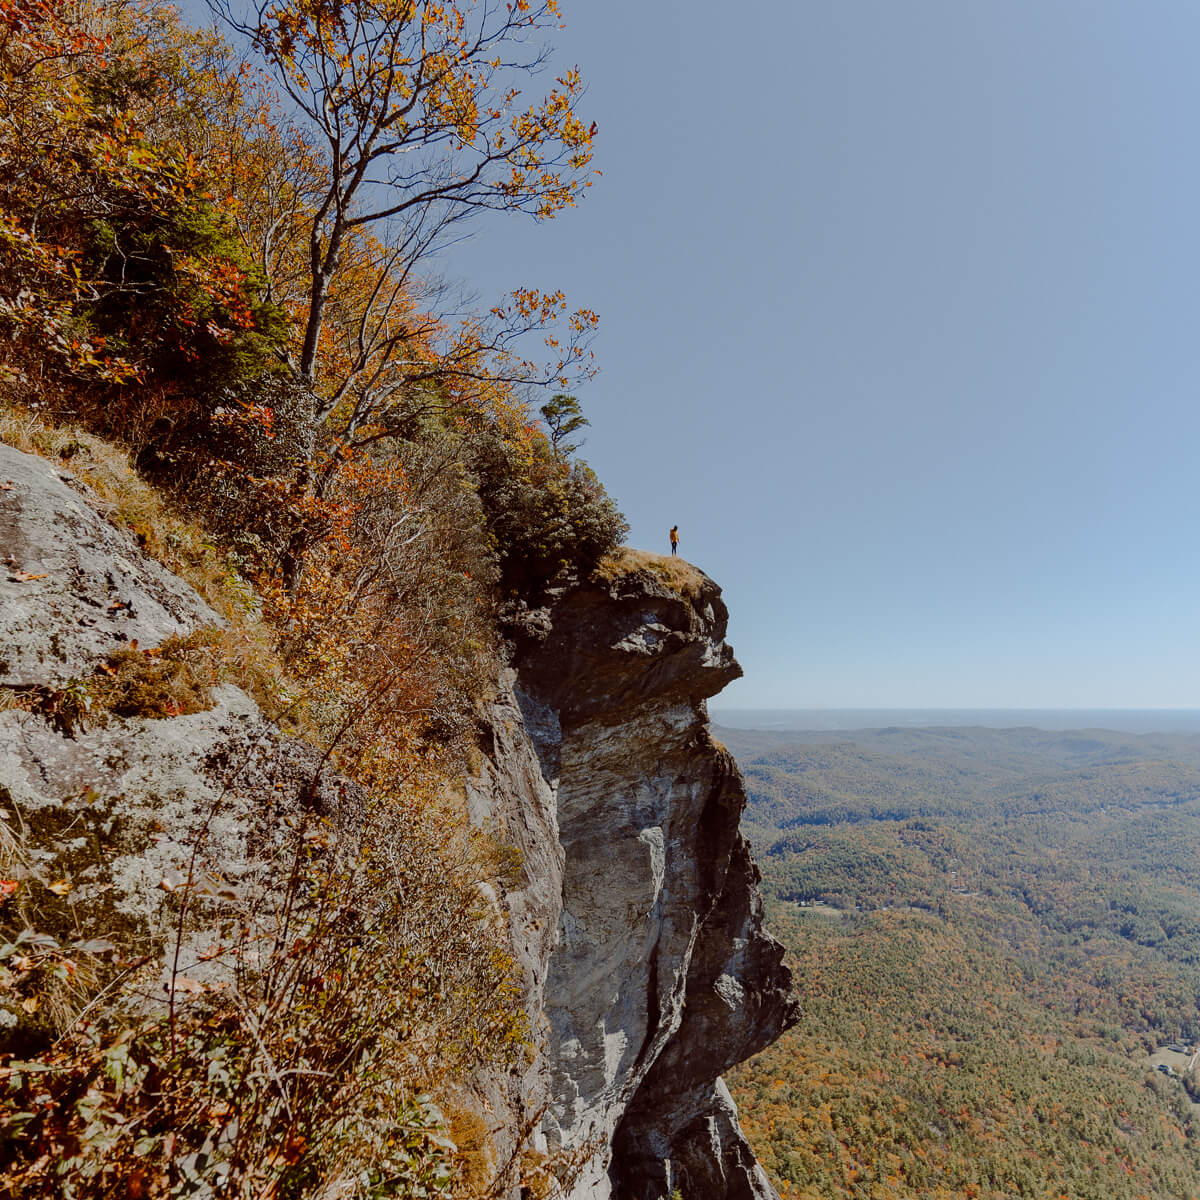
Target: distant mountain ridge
column 800, row 778
column 826, row 720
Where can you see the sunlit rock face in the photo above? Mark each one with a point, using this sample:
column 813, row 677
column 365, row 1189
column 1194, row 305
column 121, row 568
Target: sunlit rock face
column 73, row 587
column 660, row 976
column 121, row 806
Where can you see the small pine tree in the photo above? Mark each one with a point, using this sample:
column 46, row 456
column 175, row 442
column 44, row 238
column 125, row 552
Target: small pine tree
column 563, row 417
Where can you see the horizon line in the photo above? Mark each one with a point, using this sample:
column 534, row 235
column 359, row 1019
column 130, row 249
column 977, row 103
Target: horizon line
column 951, row 708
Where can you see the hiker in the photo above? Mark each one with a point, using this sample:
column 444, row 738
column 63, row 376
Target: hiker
column 674, row 539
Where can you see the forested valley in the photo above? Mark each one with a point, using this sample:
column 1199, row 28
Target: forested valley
column 996, row 940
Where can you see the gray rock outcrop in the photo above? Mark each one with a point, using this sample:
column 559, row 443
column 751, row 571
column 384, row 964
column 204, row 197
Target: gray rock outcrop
column 661, row 975
column 118, row 809
column 633, row 912
column 73, row 587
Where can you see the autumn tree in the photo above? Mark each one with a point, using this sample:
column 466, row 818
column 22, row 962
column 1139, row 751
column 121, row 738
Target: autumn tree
column 115, row 263
column 417, row 113
column 47, row 128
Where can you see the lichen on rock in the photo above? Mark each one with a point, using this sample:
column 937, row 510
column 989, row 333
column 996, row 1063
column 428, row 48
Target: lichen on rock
column 73, row 587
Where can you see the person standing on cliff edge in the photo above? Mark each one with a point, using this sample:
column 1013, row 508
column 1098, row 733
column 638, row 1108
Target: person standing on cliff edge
column 674, row 539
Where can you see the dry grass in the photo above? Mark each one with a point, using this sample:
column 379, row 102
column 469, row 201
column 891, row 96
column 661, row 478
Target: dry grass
column 171, row 680
column 476, row 1152
column 678, row 575
column 131, row 503
column 39, row 993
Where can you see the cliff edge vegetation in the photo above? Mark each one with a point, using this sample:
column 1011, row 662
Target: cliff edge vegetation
column 677, row 574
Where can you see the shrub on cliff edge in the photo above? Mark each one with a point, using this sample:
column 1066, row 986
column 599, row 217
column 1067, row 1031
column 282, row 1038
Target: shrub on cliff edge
column 548, row 516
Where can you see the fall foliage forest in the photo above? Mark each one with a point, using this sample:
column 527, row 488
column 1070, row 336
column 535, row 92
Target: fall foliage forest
column 994, row 933
column 219, row 305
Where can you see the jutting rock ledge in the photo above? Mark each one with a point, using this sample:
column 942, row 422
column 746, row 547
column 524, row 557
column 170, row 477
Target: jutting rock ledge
column 650, row 972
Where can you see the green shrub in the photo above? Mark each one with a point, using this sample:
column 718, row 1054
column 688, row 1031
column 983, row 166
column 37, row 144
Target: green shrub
column 179, row 294
column 547, row 517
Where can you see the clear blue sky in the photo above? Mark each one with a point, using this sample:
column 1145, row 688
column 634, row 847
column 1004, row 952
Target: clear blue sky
column 899, row 324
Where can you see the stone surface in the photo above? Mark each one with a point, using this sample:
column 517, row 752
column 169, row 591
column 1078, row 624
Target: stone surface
column 144, row 789
column 512, row 796
column 738, row 1001
column 661, row 977
column 73, row 588
column 119, row 807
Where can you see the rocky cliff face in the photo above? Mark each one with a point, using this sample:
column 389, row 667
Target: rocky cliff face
column 654, row 973
column 636, row 922
column 123, row 807
column 74, row 588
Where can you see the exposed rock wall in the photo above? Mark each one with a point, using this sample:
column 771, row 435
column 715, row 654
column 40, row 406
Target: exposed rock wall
column 73, row 588
column 661, row 976
column 123, row 807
